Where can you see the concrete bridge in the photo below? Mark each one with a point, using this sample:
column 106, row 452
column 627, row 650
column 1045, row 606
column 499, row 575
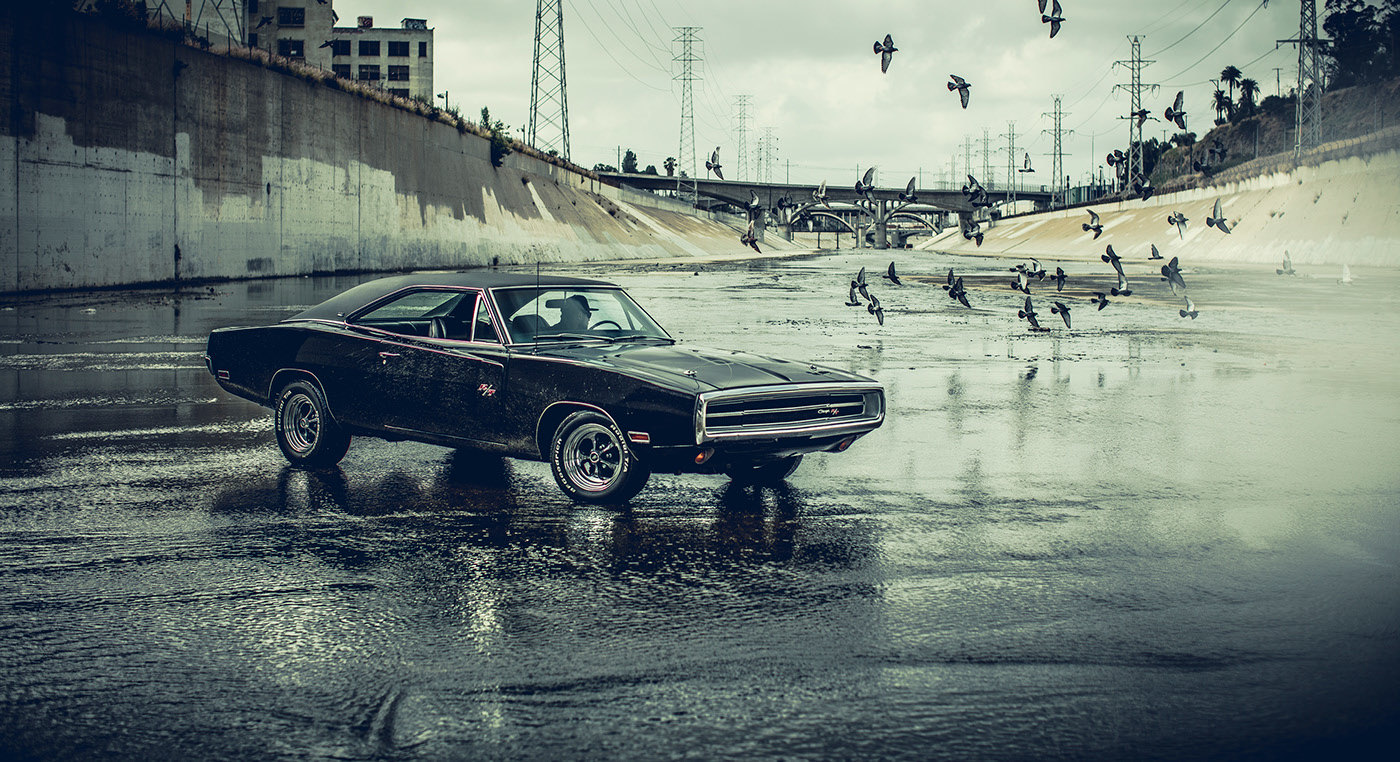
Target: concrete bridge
column 787, row 204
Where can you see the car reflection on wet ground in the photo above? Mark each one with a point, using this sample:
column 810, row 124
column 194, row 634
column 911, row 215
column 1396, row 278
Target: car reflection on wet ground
column 1149, row 537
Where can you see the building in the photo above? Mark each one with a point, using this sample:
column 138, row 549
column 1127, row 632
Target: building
column 397, row 59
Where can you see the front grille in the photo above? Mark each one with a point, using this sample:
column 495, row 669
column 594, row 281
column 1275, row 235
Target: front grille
column 780, row 411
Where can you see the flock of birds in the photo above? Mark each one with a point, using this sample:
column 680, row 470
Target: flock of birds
column 1032, row 272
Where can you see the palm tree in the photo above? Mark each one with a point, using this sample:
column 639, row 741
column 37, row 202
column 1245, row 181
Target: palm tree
column 1249, row 89
column 1223, row 106
column 1230, row 75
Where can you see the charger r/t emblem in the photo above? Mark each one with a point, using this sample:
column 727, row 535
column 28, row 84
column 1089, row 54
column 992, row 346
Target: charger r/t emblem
column 487, row 390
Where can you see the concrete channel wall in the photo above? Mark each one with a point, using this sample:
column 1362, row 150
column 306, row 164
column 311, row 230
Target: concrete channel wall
column 128, row 158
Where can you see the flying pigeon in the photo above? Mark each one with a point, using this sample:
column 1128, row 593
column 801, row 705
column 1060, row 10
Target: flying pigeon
column 1217, row 220
column 1021, row 283
column 962, row 86
column 1054, row 19
column 863, row 186
column 853, row 300
column 891, row 276
column 1142, row 115
column 1122, row 288
column 1111, row 257
column 875, row 309
column 1287, row 266
column 1028, row 313
column 749, row 239
column 860, row 283
column 326, row 44
column 820, row 195
column 1059, row 278
column 1216, row 152
column 975, row 193
column 264, row 21
column 1100, row 298
column 1115, row 157
column 1190, row 310
column 971, row 230
column 1061, row 310
column 1142, row 186
column 1155, row 254
column 949, row 284
column 1093, row 224
column 886, row 51
column 1179, row 220
column 753, row 202
column 1027, row 167
column 908, row 194
column 713, row 164
column 1202, row 167
column 959, row 293
column 1174, row 112
column 1171, row 273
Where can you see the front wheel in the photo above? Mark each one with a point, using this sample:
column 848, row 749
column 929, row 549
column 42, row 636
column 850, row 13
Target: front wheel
column 771, row 472
column 591, row 461
column 305, row 432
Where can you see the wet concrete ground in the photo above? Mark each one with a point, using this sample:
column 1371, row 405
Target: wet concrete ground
column 1148, row 537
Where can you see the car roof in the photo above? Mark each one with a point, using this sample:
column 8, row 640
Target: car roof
column 346, row 302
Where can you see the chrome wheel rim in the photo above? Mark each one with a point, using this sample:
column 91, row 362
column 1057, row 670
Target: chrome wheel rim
column 301, row 423
column 592, row 457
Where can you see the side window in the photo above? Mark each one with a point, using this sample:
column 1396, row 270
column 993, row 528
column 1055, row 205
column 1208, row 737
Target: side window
column 413, row 313
column 485, row 329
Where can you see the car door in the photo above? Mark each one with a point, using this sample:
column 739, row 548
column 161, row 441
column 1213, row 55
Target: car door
column 386, row 368
column 460, row 382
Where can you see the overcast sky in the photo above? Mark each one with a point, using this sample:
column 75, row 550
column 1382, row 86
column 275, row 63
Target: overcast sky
column 816, row 83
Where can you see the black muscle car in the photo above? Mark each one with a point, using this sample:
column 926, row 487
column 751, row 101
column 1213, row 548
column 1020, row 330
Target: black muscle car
column 566, row 370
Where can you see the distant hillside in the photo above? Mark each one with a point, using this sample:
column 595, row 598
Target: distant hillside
column 1349, row 113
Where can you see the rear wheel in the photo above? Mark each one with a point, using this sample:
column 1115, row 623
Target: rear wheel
column 591, row 461
column 305, row 432
column 768, row 472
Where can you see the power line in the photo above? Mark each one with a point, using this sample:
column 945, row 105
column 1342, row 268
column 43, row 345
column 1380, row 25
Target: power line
column 1222, row 42
column 1193, row 31
column 626, row 70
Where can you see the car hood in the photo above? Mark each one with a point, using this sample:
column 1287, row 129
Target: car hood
column 702, row 369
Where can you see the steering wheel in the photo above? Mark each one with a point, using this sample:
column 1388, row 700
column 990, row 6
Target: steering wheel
column 602, row 323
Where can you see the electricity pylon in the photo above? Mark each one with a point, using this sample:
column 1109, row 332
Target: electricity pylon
column 687, row 36
column 549, row 98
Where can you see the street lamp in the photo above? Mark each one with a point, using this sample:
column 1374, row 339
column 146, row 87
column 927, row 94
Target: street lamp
column 446, row 104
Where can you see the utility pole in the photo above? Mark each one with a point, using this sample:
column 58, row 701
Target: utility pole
column 1010, row 136
column 967, row 156
column 687, row 58
column 549, row 98
column 987, row 159
column 1278, row 81
column 1308, row 114
column 1057, row 165
column 1134, row 89
column 741, row 117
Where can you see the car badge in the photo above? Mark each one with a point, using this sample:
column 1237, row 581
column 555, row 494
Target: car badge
column 487, row 390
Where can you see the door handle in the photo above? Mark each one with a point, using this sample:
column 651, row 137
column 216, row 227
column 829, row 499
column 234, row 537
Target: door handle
column 384, row 357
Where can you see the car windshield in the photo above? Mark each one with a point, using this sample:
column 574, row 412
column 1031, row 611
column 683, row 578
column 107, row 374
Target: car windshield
column 562, row 314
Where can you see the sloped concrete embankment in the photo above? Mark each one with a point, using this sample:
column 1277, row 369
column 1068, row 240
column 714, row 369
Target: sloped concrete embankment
column 133, row 159
column 1341, row 211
